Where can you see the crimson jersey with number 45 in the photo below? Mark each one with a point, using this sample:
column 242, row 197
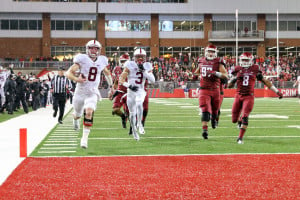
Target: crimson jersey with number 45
column 209, row 81
column 246, row 79
column 91, row 70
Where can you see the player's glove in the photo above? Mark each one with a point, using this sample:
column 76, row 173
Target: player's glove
column 280, row 95
column 141, row 67
column 133, row 88
column 214, row 73
column 115, row 94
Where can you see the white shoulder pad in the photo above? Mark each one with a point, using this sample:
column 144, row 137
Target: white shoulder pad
column 79, row 58
column 103, row 59
column 148, row 66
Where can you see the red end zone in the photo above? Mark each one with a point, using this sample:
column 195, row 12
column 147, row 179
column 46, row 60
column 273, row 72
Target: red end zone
column 156, row 177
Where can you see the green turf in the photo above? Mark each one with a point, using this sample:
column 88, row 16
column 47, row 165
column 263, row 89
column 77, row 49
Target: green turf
column 4, row 116
column 174, row 129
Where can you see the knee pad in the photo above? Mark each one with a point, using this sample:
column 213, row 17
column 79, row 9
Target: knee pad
column 88, row 122
column 245, row 121
column 205, row 116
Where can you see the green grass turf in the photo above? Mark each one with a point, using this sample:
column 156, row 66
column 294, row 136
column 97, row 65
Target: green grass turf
column 4, row 116
column 174, row 129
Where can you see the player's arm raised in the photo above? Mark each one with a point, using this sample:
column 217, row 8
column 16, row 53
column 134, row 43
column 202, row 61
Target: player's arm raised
column 71, row 74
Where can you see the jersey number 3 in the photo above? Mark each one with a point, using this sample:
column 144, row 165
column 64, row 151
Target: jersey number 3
column 140, row 77
column 92, row 74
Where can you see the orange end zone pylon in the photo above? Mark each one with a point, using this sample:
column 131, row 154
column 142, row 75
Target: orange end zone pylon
column 23, row 142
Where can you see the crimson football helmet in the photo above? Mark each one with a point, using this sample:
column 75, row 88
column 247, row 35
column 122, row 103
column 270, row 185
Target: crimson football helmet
column 139, row 56
column 90, row 44
column 211, row 52
column 246, row 60
column 123, row 58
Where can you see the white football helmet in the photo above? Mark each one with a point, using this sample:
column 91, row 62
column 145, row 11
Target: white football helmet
column 246, row 60
column 211, row 52
column 123, row 59
column 139, row 56
column 93, row 43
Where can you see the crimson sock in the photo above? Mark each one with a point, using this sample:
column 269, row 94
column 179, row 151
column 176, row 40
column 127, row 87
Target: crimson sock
column 242, row 132
column 204, row 127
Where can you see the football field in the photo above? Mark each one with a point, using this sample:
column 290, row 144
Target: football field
column 171, row 161
column 173, row 127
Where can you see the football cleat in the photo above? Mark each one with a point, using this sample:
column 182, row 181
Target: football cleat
column 141, row 129
column 214, row 123
column 123, row 122
column 135, row 134
column 205, row 135
column 76, row 125
column 240, row 141
column 130, row 131
column 84, row 143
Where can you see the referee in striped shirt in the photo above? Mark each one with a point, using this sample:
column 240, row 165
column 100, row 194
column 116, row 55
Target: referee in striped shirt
column 59, row 85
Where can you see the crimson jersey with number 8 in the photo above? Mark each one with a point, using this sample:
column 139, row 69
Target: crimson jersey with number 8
column 246, row 79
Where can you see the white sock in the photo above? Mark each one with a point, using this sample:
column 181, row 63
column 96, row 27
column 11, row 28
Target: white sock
column 86, row 132
column 76, row 121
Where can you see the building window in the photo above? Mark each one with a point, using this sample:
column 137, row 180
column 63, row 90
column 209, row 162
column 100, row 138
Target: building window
column 73, row 25
column 125, row 25
column 66, row 52
column 20, row 24
column 185, row 25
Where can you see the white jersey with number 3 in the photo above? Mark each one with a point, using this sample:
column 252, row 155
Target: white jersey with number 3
column 92, row 72
column 135, row 76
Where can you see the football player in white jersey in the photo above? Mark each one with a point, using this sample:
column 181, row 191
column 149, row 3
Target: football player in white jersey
column 89, row 67
column 136, row 71
column 298, row 83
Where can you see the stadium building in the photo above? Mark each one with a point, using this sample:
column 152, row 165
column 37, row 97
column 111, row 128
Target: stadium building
column 60, row 28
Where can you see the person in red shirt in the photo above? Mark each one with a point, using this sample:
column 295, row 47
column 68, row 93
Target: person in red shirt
column 245, row 76
column 211, row 69
column 120, row 91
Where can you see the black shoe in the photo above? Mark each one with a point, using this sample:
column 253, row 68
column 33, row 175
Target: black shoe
column 124, row 122
column 205, row 135
column 60, row 121
column 130, row 131
column 55, row 113
column 214, row 123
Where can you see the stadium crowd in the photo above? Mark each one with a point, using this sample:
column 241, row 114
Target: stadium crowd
column 36, row 92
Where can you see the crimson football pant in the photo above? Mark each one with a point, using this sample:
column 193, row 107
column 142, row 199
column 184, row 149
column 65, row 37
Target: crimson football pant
column 209, row 101
column 242, row 107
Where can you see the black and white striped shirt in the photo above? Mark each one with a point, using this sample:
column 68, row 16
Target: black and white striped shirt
column 59, row 84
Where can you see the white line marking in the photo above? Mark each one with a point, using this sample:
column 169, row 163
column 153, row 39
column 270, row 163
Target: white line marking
column 196, row 137
column 56, row 151
column 294, row 126
column 51, row 136
column 53, row 148
column 60, row 144
column 61, row 141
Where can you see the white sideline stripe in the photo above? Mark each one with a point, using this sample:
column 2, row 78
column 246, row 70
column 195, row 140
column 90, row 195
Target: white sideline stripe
column 65, row 131
column 61, row 141
column 64, row 135
column 51, row 136
column 53, row 148
column 258, row 120
column 60, row 144
column 56, row 151
column 196, row 137
column 194, row 127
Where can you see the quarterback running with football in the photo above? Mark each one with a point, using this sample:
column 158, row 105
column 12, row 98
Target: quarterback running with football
column 86, row 95
column 211, row 69
column 245, row 76
column 136, row 72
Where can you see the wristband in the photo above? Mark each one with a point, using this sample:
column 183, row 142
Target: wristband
column 126, row 84
column 218, row 74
